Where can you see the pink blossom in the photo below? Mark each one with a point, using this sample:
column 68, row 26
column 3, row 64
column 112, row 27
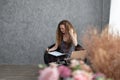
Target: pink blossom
column 97, row 75
column 74, row 63
column 49, row 73
column 81, row 75
column 64, row 71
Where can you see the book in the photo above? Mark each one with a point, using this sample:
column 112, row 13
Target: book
column 56, row 53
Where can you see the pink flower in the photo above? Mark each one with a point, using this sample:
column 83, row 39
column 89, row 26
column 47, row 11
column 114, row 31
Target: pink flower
column 49, row 73
column 74, row 63
column 81, row 75
column 98, row 75
column 64, row 71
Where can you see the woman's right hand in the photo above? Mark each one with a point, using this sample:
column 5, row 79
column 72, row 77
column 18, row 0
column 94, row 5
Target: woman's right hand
column 53, row 48
column 47, row 49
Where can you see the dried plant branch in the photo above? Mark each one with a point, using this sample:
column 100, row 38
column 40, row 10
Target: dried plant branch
column 103, row 52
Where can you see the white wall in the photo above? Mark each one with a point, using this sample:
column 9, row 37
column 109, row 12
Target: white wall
column 114, row 17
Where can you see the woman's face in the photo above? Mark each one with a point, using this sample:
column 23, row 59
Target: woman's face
column 62, row 28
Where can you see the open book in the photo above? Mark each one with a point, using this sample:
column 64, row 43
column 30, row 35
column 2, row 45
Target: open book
column 56, row 53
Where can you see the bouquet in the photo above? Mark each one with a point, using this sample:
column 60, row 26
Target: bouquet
column 77, row 70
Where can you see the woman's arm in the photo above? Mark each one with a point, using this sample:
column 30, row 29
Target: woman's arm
column 73, row 37
column 53, row 48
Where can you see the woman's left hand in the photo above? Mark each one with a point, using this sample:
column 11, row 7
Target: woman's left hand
column 71, row 32
column 73, row 36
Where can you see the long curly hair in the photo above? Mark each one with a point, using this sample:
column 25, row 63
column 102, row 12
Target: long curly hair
column 59, row 34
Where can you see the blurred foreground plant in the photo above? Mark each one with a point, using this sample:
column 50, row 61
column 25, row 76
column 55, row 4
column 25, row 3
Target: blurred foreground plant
column 103, row 52
column 77, row 70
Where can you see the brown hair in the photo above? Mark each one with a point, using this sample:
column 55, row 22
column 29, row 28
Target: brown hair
column 59, row 34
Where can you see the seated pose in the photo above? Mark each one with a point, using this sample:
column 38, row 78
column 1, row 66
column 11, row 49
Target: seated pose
column 66, row 38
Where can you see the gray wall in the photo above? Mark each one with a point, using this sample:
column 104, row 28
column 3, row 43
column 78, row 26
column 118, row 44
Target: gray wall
column 27, row 27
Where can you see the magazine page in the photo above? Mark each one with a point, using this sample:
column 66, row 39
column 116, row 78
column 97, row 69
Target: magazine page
column 56, row 53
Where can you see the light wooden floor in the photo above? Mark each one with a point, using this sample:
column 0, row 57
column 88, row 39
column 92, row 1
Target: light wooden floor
column 18, row 72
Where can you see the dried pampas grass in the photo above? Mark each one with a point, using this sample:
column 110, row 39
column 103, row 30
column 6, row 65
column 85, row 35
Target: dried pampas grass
column 103, row 52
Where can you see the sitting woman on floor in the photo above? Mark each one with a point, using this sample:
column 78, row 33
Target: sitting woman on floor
column 66, row 38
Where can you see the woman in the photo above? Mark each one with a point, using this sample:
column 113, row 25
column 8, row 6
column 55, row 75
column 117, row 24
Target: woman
column 66, row 38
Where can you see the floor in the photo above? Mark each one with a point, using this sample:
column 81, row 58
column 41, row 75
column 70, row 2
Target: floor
column 18, row 72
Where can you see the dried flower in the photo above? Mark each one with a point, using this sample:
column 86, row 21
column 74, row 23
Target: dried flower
column 103, row 52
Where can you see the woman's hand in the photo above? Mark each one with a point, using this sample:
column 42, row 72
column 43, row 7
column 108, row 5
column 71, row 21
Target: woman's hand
column 47, row 49
column 71, row 32
column 73, row 37
column 53, row 48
